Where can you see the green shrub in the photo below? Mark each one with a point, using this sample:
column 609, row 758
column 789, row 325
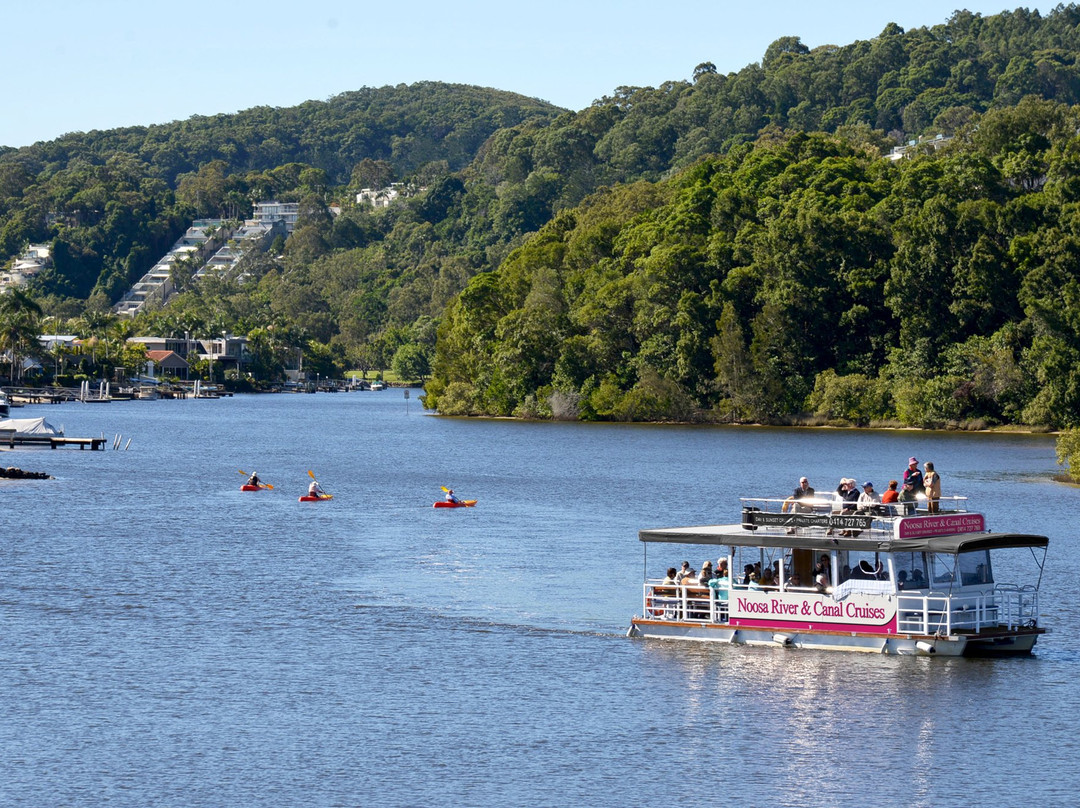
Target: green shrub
column 1068, row 452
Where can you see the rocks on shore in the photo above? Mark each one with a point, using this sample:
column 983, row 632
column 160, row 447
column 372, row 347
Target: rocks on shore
column 13, row 473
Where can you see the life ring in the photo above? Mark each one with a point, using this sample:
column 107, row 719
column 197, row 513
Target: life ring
column 651, row 609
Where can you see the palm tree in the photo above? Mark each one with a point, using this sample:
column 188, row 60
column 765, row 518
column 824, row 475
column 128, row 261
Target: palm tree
column 20, row 324
column 93, row 327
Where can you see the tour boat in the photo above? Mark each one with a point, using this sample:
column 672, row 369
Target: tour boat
column 889, row 581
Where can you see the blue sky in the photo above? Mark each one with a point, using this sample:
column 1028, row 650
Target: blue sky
column 73, row 65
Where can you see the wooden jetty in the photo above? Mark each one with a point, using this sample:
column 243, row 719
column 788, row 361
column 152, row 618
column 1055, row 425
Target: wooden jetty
column 12, row 439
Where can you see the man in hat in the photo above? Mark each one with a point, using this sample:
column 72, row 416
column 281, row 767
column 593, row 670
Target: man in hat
column 907, row 498
column 868, row 499
column 914, row 476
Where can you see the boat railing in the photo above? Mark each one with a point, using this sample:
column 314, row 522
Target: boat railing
column 829, row 512
column 1019, row 604
column 694, row 603
column 928, row 613
column 931, row 612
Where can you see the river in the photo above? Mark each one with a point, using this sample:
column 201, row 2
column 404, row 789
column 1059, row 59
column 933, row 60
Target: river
column 171, row 641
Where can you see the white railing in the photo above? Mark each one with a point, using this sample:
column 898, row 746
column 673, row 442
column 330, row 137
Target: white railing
column 1008, row 605
column 828, row 511
column 694, row 604
column 928, row 613
column 830, row 502
column 1019, row 604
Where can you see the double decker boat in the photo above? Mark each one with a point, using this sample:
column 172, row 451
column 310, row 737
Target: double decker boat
column 886, row 581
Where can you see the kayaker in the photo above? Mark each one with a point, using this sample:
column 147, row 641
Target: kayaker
column 450, row 496
column 254, row 479
column 314, row 490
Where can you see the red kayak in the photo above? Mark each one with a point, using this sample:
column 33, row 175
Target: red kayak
column 306, row 498
column 246, row 487
column 461, row 503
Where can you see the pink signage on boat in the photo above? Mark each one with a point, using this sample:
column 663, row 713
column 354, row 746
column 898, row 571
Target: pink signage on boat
column 944, row 524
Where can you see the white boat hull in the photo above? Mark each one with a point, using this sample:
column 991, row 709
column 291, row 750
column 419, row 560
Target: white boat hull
column 1004, row 643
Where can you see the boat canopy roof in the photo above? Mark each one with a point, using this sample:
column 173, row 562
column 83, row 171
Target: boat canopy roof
column 737, row 536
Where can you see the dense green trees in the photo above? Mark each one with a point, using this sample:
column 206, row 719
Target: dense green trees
column 801, row 274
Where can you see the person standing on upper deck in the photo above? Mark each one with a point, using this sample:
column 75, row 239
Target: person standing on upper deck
column 914, row 476
column 933, row 487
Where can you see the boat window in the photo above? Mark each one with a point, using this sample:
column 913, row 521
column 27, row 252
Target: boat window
column 942, row 568
column 975, row 568
column 863, row 565
column 910, row 570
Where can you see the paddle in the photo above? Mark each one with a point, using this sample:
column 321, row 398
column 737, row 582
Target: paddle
column 322, row 494
column 261, row 483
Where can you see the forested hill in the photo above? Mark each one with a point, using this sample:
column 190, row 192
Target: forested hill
column 115, row 200
column 405, row 125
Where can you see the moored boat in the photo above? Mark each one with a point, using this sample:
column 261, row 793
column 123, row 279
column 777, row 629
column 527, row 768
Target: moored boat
column 885, row 582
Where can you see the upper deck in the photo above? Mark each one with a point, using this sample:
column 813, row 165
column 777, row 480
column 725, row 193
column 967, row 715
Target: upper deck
column 819, row 524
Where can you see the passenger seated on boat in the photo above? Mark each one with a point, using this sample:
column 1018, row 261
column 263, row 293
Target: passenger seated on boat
column 670, row 579
column 907, row 499
column 862, row 571
column 748, row 570
column 917, row 580
column 697, row 598
column 706, row 573
column 869, row 501
column 889, row 497
column 795, row 580
column 753, row 582
column 821, row 577
column 683, row 572
column 767, row 580
column 901, row 579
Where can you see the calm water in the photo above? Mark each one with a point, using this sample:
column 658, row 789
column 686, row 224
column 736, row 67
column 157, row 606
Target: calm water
column 170, row 641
